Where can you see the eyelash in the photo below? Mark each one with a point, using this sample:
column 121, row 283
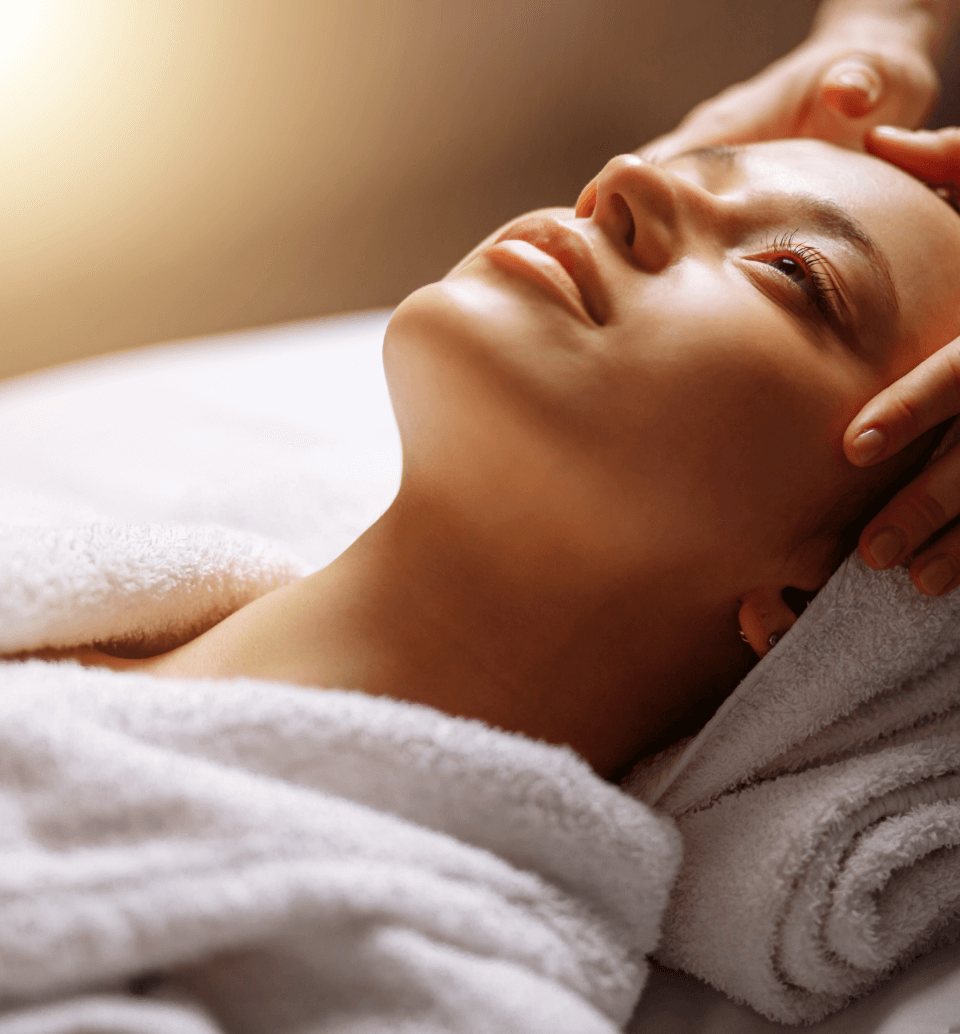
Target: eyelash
column 810, row 259
column 824, row 292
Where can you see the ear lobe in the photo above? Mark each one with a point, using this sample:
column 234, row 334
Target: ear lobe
column 764, row 613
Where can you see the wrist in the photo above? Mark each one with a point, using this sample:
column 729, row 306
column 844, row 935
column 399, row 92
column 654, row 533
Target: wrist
column 920, row 25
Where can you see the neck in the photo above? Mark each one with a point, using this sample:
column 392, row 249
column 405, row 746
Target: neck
column 433, row 608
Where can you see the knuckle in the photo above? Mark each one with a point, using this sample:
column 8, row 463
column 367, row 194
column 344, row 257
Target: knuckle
column 925, row 396
column 912, row 84
column 924, row 514
column 722, row 115
column 950, row 356
column 904, row 414
column 705, row 109
column 947, row 543
column 927, row 83
column 916, row 74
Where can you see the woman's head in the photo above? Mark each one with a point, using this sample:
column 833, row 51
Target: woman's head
column 747, row 303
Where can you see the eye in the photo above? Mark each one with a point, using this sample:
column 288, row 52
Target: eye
column 790, row 267
column 801, row 264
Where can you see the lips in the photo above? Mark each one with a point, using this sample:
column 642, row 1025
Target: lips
column 572, row 251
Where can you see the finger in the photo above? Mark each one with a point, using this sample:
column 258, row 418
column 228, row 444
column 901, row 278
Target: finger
column 915, row 513
column 936, row 570
column 921, row 399
column 932, row 156
column 738, row 115
column 684, row 138
column 705, row 134
column 852, row 88
column 695, row 130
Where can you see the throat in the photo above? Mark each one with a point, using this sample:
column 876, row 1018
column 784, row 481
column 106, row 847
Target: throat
column 540, row 648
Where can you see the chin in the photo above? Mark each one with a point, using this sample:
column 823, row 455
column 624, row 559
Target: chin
column 431, row 346
column 472, row 385
column 460, row 341
column 438, row 368
column 482, row 325
column 456, row 315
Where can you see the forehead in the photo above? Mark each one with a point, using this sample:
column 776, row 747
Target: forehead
column 917, row 232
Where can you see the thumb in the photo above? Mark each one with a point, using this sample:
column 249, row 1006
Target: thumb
column 852, row 87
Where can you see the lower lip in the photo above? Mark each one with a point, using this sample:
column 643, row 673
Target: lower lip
column 541, row 269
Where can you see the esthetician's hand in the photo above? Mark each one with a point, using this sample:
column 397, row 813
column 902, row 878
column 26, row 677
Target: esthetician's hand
column 925, row 397
column 839, row 83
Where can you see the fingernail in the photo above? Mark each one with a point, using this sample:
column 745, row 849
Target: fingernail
column 862, row 81
column 935, row 576
column 868, row 445
column 891, row 132
column 886, row 546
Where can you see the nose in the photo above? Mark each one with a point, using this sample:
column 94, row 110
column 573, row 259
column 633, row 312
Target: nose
column 639, row 206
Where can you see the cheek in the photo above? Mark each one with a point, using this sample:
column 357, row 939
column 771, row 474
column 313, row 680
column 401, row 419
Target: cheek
column 735, row 415
column 709, row 345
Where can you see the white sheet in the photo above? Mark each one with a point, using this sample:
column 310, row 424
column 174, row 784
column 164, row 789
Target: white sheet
column 283, row 859
column 317, row 387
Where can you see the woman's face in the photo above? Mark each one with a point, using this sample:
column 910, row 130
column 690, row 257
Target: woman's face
column 685, row 387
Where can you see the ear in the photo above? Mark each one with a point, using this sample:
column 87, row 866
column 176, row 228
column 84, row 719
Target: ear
column 764, row 613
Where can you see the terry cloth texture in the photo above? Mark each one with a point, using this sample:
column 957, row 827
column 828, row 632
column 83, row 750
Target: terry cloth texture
column 820, row 806
column 187, row 856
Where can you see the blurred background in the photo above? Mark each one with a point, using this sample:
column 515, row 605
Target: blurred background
column 172, row 168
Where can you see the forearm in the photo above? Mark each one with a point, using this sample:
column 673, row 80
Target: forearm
column 927, row 24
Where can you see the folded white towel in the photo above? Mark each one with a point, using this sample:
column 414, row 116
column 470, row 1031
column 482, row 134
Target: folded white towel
column 141, row 587
column 383, row 863
column 247, row 856
column 820, row 806
column 288, row 859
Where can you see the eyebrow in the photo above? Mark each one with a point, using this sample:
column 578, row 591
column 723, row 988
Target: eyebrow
column 828, row 217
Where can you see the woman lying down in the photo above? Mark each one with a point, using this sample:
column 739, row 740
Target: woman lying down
column 621, row 428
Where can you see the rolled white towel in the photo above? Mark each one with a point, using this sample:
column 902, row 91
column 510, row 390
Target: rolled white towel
column 800, row 893
column 820, row 806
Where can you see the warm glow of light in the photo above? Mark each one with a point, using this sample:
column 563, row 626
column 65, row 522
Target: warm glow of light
column 67, row 96
column 22, row 24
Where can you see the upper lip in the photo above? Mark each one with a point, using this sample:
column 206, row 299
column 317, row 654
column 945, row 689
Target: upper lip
column 572, row 250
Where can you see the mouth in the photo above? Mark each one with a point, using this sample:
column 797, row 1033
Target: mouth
column 572, row 253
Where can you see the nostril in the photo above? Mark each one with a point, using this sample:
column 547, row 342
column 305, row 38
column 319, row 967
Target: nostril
column 587, row 201
column 625, row 217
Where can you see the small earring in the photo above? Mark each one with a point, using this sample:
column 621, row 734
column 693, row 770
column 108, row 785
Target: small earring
column 743, row 636
column 773, row 640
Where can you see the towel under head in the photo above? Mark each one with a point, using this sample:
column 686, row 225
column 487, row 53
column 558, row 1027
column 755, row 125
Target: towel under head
column 820, row 805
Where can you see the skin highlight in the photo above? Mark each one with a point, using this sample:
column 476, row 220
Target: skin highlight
column 587, row 510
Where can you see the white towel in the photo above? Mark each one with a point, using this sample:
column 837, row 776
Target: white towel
column 248, row 856
column 820, row 806
column 140, row 588
column 283, row 859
